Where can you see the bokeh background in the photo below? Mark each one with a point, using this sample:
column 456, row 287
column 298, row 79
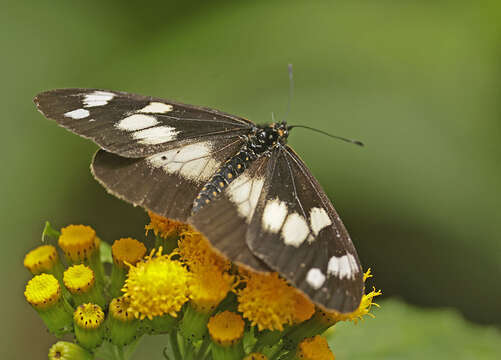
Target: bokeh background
column 418, row 81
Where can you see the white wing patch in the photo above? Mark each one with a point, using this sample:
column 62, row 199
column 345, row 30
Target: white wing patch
column 97, row 98
column 156, row 108
column 274, row 215
column 244, row 192
column 77, row 114
column 315, row 278
column 295, row 230
column 343, row 267
column 137, row 122
column 319, row 219
column 155, row 135
column 193, row 162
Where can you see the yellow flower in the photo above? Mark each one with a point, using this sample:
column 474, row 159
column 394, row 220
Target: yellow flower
column 78, row 279
column 127, row 250
column 363, row 309
column 196, row 250
column 164, row 227
column 88, row 320
column 119, row 309
column 315, row 348
column 226, row 328
column 303, row 308
column 209, row 287
column 43, row 291
column 81, row 283
column 157, row 286
column 78, row 242
column 122, row 325
column 267, row 301
column 42, row 259
column 332, row 317
column 88, row 316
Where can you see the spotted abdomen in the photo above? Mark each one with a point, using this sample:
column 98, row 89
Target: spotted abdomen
column 231, row 169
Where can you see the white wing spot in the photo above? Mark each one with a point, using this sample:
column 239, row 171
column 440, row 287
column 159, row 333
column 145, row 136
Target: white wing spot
column 244, row 192
column 274, row 215
column 191, row 161
column 343, row 267
column 315, row 278
column 319, row 219
column 155, row 135
column 295, row 230
column 157, row 108
column 97, row 98
column 77, row 114
column 137, row 122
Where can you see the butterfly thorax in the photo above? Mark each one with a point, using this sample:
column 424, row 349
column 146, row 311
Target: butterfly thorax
column 260, row 142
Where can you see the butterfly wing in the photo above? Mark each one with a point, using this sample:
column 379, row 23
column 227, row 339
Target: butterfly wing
column 166, row 182
column 157, row 153
column 296, row 231
column 133, row 125
column 225, row 219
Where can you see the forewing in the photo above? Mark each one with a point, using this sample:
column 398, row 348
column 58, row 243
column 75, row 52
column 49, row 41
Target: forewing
column 167, row 182
column 296, row 231
column 133, row 125
column 225, row 219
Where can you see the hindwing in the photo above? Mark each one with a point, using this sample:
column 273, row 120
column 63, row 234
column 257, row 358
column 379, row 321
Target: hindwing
column 166, row 182
column 296, row 231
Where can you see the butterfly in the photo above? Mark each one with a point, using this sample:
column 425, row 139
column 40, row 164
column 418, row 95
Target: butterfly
column 236, row 182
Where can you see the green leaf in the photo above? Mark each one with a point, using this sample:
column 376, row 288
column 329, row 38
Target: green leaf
column 400, row 331
column 48, row 230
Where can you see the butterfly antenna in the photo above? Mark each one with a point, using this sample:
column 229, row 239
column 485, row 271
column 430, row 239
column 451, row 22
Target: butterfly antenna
column 291, row 92
column 356, row 142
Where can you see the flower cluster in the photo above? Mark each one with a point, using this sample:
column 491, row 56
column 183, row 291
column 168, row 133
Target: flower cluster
column 108, row 298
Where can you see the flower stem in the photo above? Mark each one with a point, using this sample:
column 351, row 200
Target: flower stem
column 203, row 348
column 175, row 345
column 120, row 352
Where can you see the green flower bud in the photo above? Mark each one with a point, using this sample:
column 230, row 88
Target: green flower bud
column 43, row 292
column 122, row 326
column 63, row 350
column 88, row 322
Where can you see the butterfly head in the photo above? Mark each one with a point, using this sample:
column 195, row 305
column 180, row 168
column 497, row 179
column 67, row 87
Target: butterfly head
column 273, row 134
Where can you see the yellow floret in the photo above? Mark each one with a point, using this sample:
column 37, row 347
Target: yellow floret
column 226, row 328
column 41, row 259
column 43, row 291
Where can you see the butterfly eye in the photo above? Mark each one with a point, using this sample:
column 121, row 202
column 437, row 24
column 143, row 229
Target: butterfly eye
column 262, row 135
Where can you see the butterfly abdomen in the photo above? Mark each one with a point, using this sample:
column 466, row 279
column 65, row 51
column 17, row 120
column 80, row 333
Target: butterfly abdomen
column 230, row 170
column 257, row 144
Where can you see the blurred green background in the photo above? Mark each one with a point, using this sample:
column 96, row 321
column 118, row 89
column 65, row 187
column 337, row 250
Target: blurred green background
column 418, row 81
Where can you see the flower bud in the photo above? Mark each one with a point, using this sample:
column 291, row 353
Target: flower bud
column 43, row 292
column 88, row 321
column 63, row 350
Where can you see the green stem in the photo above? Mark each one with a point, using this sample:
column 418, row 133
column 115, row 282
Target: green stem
column 121, row 353
column 203, row 348
column 175, row 345
column 118, row 351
